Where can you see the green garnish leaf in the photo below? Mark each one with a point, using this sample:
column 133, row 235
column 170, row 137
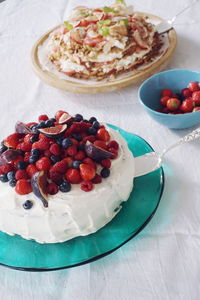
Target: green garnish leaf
column 104, row 22
column 108, row 9
column 68, row 25
column 120, row 2
column 104, row 30
column 124, row 21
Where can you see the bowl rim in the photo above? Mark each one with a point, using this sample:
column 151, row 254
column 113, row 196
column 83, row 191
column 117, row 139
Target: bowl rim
column 160, row 113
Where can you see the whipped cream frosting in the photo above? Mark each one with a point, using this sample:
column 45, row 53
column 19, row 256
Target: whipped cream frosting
column 72, row 214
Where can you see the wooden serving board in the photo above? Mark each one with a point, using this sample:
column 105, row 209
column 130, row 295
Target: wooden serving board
column 101, row 87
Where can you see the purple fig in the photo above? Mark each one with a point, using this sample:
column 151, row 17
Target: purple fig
column 65, row 119
column 96, row 152
column 9, row 155
column 20, row 127
column 53, row 132
column 39, row 186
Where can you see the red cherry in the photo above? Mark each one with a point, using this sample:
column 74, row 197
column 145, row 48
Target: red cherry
column 196, row 97
column 163, row 100
column 166, row 92
column 187, row 105
column 173, row 104
column 186, row 93
column 193, row 86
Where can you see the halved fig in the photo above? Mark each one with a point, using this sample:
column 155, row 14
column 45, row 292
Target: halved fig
column 53, row 132
column 65, row 118
column 9, row 155
column 39, row 186
column 96, row 152
column 20, row 127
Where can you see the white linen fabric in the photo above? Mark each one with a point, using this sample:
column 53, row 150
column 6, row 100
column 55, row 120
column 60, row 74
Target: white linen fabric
column 163, row 261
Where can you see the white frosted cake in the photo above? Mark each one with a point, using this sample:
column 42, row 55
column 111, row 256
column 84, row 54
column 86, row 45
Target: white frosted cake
column 62, row 178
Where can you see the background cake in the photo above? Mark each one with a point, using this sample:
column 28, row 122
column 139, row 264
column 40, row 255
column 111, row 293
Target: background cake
column 62, row 177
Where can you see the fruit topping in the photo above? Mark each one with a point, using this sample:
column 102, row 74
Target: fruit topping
column 43, row 118
column 3, row 178
column 97, row 179
column 8, row 156
column 20, row 127
column 28, row 204
column 39, row 185
column 60, row 166
column 21, row 174
column 12, row 140
column 187, row 105
column 106, row 163
column 73, row 176
column 87, row 171
column 23, row 187
column 65, row 187
column 196, row 97
column 55, row 131
column 43, row 164
column 96, row 152
column 103, row 135
column 193, row 86
column 105, row 172
column 173, row 104
column 86, row 186
column 65, row 118
column 52, row 189
column 166, row 92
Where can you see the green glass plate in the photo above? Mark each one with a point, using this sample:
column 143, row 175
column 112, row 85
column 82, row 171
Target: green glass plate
column 21, row 254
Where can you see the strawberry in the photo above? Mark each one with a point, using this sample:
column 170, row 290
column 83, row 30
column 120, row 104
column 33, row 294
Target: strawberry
column 12, row 140
column 87, row 172
column 73, row 176
column 103, row 135
column 55, row 149
column 31, row 170
column 43, row 164
column 26, row 146
column 21, row 174
column 41, row 144
column 100, row 144
column 23, row 187
column 60, row 166
column 89, row 161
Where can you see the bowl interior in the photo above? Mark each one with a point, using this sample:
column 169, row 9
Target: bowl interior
column 175, row 80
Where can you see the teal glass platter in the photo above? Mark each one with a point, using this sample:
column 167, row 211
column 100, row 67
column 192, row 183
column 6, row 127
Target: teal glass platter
column 28, row 255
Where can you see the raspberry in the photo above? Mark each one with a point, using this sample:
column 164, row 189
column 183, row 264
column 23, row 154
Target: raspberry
column 113, row 144
column 69, row 161
column 106, row 163
column 43, row 118
column 90, row 138
column 60, row 166
column 87, row 172
column 23, row 187
column 86, row 186
column 31, row 170
column 74, row 141
column 6, row 168
column 42, row 144
column 80, row 155
column 114, row 151
column 26, row 146
column 73, row 176
column 55, row 176
column 26, row 157
column 12, row 140
column 21, row 174
column 55, row 149
column 89, row 161
column 103, row 135
column 47, row 153
column 72, row 150
column 52, row 189
column 97, row 179
column 43, row 164
column 100, row 144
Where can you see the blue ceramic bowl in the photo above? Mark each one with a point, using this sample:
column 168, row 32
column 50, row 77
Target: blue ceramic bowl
column 149, row 95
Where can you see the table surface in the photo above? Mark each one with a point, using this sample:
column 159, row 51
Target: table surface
column 163, row 261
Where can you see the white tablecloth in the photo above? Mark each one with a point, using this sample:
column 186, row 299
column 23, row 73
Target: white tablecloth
column 163, row 261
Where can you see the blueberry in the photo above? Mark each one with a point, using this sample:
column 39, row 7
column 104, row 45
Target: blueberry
column 92, row 131
column 12, row 182
column 34, row 129
column 77, row 137
column 42, row 124
column 3, row 178
column 59, row 141
column 85, row 121
column 33, row 159
column 105, row 172
column 76, row 164
column 34, row 138
column 92, row 120
column 78, row 118
column 96, row 124
column 35, row 152
column 49, row 123
column 3, row 148
column 27, row 204
column 11, row 175
column 21, row 165
column 55, row 158
column 65, row 187
column 81, row 147
column 66, row 143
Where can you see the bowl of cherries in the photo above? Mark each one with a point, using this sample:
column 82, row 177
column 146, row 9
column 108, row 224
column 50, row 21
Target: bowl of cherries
column 172, row 98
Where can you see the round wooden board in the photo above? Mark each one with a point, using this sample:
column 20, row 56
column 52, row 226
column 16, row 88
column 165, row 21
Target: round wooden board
column 77, row 87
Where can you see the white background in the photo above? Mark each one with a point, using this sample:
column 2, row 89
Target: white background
column 163, row 261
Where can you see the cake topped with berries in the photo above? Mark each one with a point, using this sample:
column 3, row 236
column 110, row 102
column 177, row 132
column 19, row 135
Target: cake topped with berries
column 62, row 177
